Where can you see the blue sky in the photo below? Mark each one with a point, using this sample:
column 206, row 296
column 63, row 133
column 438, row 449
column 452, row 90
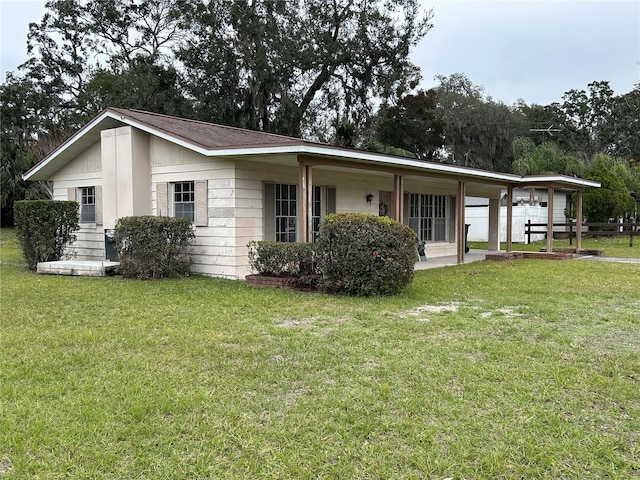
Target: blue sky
column 530, row 49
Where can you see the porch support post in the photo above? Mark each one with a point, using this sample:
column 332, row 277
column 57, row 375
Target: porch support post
column 550, row 195
column 579, row 221
column 306, row 203
column 398, row 198
column 494, row 224
column 309, row 203
column 509, row 218
column 461, row 221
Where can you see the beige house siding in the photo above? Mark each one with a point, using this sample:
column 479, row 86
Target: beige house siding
column 165, row 153
column 249, row 187
column 234, row 197
column 82, row 171
column 214, row 249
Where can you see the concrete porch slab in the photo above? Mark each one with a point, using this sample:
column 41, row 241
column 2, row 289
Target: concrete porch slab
column 89, row 268
column 450, row 260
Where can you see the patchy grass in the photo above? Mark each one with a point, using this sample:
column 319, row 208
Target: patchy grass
column 613, row 246
column 524, row 369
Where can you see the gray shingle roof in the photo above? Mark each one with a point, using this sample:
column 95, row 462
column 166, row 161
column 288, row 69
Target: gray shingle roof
column 207, row 135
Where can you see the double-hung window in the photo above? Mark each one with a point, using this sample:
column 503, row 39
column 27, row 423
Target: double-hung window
column 87, row 204
column 282, row 206
column 184, row 200
column 286, row 209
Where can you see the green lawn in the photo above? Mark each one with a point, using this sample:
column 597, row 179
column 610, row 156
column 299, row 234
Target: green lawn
column 524, row 369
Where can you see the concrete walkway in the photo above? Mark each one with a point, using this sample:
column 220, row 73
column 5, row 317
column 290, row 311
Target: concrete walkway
column 449, row 260
column 479, row 255
column 608, row 259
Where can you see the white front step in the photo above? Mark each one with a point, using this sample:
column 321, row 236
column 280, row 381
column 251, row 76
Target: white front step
column 90, row 268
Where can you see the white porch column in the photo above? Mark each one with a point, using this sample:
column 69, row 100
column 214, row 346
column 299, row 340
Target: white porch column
column 550, row 195
column 579, row 221
column 461, row 221
column 509, row 218
column 494, row 224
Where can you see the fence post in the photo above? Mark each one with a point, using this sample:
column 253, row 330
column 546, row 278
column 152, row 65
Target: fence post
column 529, row 232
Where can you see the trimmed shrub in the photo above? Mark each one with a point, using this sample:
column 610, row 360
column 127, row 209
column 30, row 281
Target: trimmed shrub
column 282, row 259
column 44, row 228
column 153, row 247
column 365, row 255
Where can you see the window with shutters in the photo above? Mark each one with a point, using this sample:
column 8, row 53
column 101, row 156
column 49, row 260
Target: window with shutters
column 87, row 204
column 428, row 216
column 183, row 203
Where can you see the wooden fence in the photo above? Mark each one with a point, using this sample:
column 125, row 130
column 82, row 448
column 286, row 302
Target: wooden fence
column 630, row 228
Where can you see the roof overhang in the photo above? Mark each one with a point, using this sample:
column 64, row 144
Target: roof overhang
column 315, row 153
column 557, row 181
column 73, row 146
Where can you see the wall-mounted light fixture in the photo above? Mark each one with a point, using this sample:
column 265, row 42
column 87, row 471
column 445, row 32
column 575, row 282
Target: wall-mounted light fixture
column 369, row 198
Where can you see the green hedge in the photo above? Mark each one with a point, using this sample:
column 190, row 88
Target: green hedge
column 153, row 247
column 283, row 259
column 44, row 228
column 365, row 255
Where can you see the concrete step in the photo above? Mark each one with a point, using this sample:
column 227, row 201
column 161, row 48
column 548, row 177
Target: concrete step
column 89, row 268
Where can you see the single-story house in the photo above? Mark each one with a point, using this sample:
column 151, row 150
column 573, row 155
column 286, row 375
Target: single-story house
column 238, row 185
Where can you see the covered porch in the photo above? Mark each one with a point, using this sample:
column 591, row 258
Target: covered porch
column 459, row 182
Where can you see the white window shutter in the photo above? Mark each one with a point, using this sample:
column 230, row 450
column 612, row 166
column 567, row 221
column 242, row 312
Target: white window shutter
column 331, row 200
column 71, row 194
column 162, row 200
column 452, row 219
column 269, row 214
column 407, row 211
column 98, row 192
column 202, row 203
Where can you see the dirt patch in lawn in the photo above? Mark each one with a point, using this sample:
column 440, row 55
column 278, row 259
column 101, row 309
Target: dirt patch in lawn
column 422, row 310
column 5, row 465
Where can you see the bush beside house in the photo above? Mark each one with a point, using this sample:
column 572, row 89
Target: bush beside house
column 292, row 263
column 355, row 254
column 365, row 255
column 153, row 247
column 44, row 229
